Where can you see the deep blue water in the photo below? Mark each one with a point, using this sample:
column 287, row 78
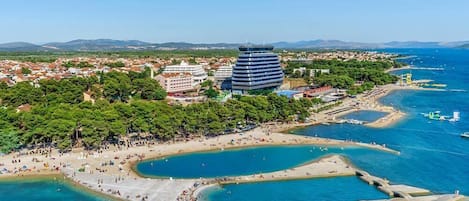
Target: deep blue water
column 32, row 190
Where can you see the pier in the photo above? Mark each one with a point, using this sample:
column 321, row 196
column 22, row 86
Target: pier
column 414, row 68
column 423, row 68
column 340, row 110
column 404, row 192
column 350, row 121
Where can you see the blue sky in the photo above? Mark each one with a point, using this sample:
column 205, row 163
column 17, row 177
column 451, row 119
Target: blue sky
column 255, row 21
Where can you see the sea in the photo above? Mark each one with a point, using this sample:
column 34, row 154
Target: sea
column 432, row 153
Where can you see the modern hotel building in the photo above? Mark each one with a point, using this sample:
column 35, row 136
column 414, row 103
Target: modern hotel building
column 176, row 82
column 257, row 67
column 197, row 71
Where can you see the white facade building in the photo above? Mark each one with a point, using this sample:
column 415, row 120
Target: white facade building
column 223, row 77
column 176, row 82
column 197, row 71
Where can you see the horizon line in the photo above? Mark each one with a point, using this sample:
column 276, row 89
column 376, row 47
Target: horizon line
column 280, row 41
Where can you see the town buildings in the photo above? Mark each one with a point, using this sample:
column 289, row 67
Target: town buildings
column 257, row 67
column 310, row 72
column 318, row 91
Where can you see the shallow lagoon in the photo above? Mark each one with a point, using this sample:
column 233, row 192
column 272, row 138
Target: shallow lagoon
column 241, row 161
column 44, row 189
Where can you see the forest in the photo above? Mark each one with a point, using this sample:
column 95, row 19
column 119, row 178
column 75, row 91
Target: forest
column 126, row 104
column 345, row 74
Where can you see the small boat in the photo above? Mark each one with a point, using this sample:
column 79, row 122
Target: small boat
column 435, row 116
column 465, row 135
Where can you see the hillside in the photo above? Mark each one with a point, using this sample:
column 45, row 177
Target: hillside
column 130, row 45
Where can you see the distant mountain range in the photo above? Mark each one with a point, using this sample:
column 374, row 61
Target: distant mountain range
column 127, row 45
column 356, row 45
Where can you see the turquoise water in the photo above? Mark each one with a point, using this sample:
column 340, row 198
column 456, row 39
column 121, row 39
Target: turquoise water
column 241, row 161
column 325, row 189
column 364, row 115
column 32, row 190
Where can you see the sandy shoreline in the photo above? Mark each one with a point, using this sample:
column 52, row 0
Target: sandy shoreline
column 408, row 67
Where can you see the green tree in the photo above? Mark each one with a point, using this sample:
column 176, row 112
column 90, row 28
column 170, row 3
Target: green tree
column 211, row 93
column 207, row 83
column 148, row 89
column 9, row 140
column 25, row 71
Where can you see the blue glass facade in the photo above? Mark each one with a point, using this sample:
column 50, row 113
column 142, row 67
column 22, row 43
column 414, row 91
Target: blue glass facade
column 257, row 67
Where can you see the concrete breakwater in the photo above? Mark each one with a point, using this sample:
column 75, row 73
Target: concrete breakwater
column 399, row 192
